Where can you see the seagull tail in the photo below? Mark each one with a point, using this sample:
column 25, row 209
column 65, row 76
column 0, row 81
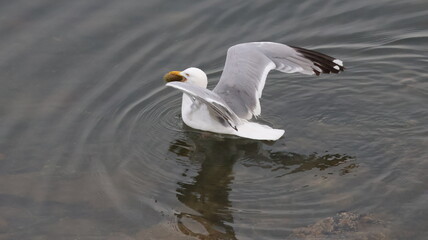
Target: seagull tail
column 258, row 131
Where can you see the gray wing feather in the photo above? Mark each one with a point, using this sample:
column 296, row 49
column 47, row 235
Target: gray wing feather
column 215, row 103
column 247, row 65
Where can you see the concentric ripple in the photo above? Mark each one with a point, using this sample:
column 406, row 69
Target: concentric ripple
column 91, row 138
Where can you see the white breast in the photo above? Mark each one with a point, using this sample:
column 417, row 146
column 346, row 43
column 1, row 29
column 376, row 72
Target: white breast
column 196, row 115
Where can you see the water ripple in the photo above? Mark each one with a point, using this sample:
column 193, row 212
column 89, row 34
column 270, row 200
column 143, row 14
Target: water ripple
column 90, row 134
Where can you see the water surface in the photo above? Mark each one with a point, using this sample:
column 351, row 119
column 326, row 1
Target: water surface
column 92, row 145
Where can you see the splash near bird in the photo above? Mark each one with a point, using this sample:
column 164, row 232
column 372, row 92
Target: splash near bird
column 228, row 108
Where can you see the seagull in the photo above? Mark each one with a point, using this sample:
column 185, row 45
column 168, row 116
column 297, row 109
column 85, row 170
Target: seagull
column 230, row 106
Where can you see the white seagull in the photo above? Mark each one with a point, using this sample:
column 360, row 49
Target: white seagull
column 228, row 108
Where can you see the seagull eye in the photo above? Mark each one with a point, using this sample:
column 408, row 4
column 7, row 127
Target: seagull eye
column 186, row 74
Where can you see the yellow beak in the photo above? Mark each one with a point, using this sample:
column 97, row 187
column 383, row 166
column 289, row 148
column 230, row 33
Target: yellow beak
column 174, row 76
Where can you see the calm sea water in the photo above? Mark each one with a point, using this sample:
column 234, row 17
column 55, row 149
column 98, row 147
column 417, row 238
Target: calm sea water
column 92, row 145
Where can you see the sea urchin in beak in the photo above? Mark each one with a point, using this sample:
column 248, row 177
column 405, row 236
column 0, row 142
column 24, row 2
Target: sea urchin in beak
column 174, row 76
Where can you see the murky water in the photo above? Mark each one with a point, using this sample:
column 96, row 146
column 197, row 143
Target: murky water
column 92, row 145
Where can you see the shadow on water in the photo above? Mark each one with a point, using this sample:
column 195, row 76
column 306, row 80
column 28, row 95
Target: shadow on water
column 207, row 193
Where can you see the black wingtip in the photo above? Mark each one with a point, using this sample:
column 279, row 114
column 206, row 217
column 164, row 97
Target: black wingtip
column 325, row 63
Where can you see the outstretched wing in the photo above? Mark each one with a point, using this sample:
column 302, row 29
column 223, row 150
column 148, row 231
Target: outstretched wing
column 215, row 104
column 247, row 65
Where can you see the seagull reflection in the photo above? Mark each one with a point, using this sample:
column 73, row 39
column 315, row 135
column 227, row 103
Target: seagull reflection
column 207, row 193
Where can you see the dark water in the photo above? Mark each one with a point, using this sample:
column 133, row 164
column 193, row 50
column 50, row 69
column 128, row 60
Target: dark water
column 92, row 145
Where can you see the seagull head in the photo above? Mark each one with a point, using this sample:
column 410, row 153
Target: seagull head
column 191, row 75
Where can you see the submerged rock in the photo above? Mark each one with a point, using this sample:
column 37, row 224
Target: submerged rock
column 344, row 225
